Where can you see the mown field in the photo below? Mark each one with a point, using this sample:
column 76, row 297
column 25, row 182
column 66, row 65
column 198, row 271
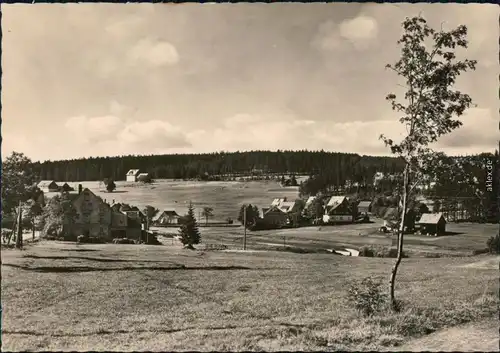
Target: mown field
column 463, row 238
column 62, row 296
column 225, row 198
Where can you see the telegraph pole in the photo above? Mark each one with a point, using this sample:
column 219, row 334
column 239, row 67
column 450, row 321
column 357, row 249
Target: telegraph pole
column 245, row 228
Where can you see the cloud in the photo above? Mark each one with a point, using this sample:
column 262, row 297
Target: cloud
column 155, row 134
column 327, row 37
column 153, row 52
column 253, row 131
column 478, row 132
column 359, row 32
column 110, row 134
column 359, row 28
column 93, row 129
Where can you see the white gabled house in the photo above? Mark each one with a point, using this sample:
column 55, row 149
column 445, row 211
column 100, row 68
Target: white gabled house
column 132, row 175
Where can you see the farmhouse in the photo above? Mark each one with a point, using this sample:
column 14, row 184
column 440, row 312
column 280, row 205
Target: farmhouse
column 168, row 217
column 282, row 213
column 365, row 207
column 48, row 186
column 132, row 175
column 338, row 210
column 96, row 218
column 432, row 223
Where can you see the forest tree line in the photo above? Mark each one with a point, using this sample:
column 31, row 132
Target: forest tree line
column 340, row 166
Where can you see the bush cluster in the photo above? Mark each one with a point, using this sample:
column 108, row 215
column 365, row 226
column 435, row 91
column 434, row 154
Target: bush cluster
column 493, row 244
column 367, row 296
column 379, row 251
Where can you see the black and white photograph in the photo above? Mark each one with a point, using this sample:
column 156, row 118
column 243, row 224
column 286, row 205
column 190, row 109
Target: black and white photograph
column 239, row 177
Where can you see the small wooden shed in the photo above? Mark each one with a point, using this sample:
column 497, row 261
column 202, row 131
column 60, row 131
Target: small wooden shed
column 432, row 223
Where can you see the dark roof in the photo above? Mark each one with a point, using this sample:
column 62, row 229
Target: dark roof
column 46, row 183
column 170, row 213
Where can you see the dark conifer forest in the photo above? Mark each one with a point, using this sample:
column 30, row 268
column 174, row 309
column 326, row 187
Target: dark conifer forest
column 339, row 166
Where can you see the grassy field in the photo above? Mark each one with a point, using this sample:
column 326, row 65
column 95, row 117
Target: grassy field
column 62, row 296
column 463, row 239
column 226, row 198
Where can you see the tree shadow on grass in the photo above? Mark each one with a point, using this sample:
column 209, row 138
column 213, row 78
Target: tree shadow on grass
column 72, row 269
column 452, row 233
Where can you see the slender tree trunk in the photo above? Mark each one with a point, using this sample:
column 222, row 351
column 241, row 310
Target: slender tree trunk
column 33, row 228
column 394, row 270
column 19, row 236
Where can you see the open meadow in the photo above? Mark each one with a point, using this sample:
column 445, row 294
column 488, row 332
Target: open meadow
column 63, row 296
column 225, row 197
column 463, row 238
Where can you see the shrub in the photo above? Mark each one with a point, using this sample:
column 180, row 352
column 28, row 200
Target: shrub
column 366, row 251
column 493, row 244
column 379, row 251
column 367, row 296
column 481, row 251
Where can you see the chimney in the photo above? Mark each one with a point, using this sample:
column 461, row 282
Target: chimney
column 80, row 189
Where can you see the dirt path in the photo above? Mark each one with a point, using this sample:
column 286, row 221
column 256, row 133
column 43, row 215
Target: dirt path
column 476, row 337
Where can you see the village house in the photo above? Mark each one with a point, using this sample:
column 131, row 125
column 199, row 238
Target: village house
column 365, row 207
column 168, row 217
column 432, row 223
column 132, row 175
column 308, row 205
column 96, row 218
column 338, row 210
column 48, row 186
column 282, row 213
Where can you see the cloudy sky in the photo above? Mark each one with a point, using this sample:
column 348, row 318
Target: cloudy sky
column 112, row 79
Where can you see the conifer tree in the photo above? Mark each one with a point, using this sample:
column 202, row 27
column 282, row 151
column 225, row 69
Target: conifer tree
column 189, row 232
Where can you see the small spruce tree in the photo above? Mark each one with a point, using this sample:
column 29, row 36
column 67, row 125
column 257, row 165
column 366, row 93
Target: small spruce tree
column 189, row 232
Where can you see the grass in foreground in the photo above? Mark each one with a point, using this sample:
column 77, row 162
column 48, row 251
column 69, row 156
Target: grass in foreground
column 164, row 298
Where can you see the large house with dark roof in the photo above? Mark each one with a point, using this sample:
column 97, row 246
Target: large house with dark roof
column 338, row 210
column 282, row 213
column 94, row 217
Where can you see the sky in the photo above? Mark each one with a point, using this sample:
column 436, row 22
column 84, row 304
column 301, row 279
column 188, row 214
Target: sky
column 83, row 80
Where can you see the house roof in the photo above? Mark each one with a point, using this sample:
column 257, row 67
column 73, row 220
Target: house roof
column 431, row 218
column 335, row 201
column 133, row 172
column 364, row 204
column 277, row 202
column 143, row 174
column 310, row 200
column 169, row 213
column 286, row 206
column 45, row 183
